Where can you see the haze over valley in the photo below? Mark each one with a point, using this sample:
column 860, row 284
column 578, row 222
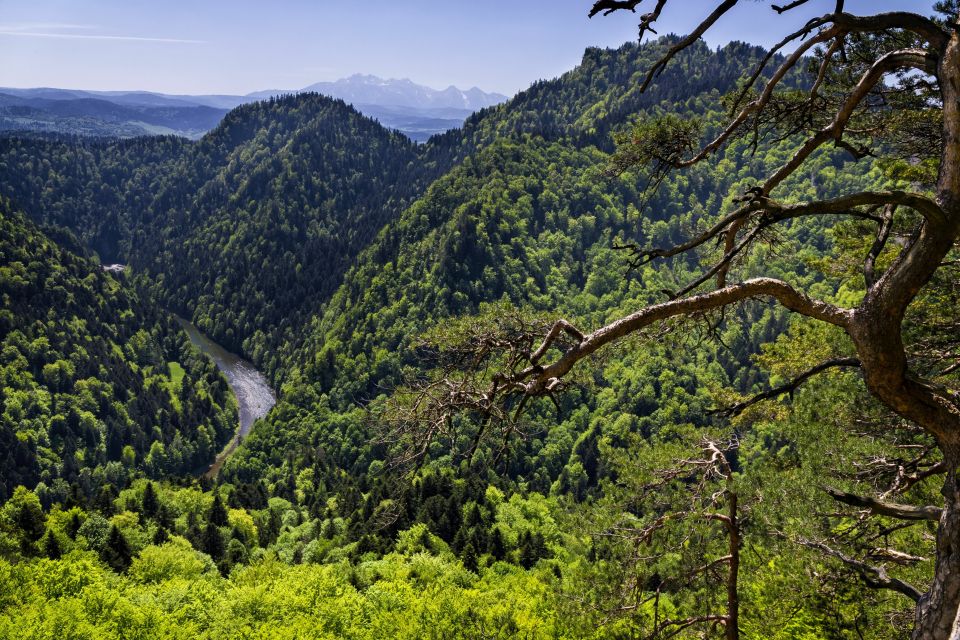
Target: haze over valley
column 417, row 111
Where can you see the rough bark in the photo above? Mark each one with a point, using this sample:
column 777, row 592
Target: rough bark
column 875, row 326
column 733, row 574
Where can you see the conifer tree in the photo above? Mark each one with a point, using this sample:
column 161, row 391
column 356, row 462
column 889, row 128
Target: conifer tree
column 117, row 553
column 218, row 513
column 51, row 547
column 150, row 505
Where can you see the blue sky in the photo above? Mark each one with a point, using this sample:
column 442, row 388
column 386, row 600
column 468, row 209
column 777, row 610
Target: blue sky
column 238, row 46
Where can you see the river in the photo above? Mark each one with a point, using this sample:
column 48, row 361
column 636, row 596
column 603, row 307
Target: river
column 254, row 395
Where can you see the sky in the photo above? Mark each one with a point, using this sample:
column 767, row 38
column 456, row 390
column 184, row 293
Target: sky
column 240, row 46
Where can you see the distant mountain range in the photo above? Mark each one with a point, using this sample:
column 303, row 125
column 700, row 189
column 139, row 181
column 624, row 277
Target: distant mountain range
column 413, row 109
column 366, row 89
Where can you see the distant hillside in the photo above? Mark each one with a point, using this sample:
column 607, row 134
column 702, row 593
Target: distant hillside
column 93, row 116
column 415, row 110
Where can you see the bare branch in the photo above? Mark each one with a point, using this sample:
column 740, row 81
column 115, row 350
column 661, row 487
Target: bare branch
column 835, row 46
column 875, row 577
column 686, row 41
column 722, row 267
column 552, row 335
column 789, row 387
column 771, row 212
column 757, row 287
column 764, row 98
column 909, row 58
column 912, row 22
column 884, row 508
column 647, row 19
column 883, row 234
column 758, row 70
column 676, row 626
column 609, row 6
column 787, row 7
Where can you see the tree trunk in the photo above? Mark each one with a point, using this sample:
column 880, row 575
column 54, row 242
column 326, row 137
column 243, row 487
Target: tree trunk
column 733, row 597
column 938, row 609
column 936, row 410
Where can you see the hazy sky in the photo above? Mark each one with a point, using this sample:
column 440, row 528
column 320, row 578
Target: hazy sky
column 238, row 46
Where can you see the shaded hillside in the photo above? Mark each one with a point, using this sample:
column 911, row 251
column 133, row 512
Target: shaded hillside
column 245, row 231
column 97, row 384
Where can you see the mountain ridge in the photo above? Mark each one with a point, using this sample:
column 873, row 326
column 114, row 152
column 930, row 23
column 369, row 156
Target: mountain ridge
column 416, row 110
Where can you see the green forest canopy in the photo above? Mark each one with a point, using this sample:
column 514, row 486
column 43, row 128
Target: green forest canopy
column 325, row 248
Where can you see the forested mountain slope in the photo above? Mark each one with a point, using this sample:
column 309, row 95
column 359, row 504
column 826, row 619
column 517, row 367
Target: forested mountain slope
column 530, row 216
column 338, row 256
column 255, row 226
column 98, row 384
column 249, row 230
column 585, row 105
column 245, row 231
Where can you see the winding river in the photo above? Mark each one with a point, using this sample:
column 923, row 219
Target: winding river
column 254, row 395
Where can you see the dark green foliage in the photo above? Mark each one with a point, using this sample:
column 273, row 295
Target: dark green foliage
column 88, row 376
column 74, row 525
column 51, row 548
column 218, row 513
column 212, row 542
column 116, row 553
column 150, row 506
column 161, row 536
column 249, row 229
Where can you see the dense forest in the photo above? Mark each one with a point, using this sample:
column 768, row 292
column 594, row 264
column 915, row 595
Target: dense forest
column 100, row 386
column 361, row 271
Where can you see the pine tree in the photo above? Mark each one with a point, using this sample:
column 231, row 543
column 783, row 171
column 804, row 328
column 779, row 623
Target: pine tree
column 218, row 513
column 469, row 556
column 150, row 504
column 74, row 525
column 212, row 543
column 528, row 551
column 498, row 548
column 161, row 535
column 51, row 547
column 116, row 553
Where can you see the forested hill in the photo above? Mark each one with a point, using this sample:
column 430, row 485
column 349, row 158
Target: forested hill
column 555, row 133
column 249, row 230
column 245, row 231
column 529, row 217
column 588, row 103
column 529, row 214
column 255, row 226
column 98, row 384
column 341, row 257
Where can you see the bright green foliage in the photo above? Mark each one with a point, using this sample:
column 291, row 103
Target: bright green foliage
column 417, row 597
column 339, row 257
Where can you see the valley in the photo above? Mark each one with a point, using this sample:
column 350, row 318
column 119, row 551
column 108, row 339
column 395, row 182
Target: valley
column 474, row 366
column 254, row 395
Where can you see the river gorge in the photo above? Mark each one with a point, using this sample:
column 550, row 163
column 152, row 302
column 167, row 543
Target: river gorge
column 254, row 395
